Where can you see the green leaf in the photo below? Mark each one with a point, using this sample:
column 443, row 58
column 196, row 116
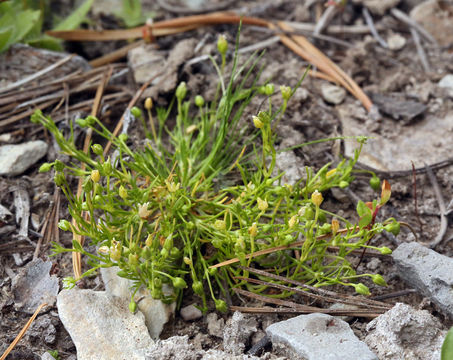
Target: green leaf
column 76, row 18
column 5, row 36
column 131, row 13
column 447, row 346
column 362, row 209
column 46, row 42
column 365, row 220
column 76, row 245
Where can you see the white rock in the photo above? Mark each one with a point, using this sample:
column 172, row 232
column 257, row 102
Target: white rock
column 396, row 42
column 156, row 312
column 190, row 312
column 215, row 325
column 333, row 94
column 237, row 332
column 15, row 159
column 405, row 333
column 317, row 336
column 102, row 327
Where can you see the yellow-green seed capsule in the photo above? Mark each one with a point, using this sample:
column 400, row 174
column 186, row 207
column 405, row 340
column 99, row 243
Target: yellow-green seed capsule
column 286, row 92
column 95, row 176
column 222, row 45
column 362, row 289
column 257, row 122
column 293, row 221
column 317, row 198
column 122, row 192
column 199, row 101
column 45, row 167
column 262, row 204
column 181, row 91
column 253, row 230
column 148, row 103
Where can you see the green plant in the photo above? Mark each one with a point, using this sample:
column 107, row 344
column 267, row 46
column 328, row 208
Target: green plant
column 193, row 197
column 54, row 354
column 23, row 21
column 131, row 13
column 447, row 346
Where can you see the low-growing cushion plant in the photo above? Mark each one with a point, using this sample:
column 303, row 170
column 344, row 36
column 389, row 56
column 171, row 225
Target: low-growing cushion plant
column 206, row 190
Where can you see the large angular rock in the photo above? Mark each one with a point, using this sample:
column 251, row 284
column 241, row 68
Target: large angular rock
column 102, row 327
column 428, row 271
column 156, row 312
column 405, row 333
column 15, row 159
column 317, row 336
column 34, row 286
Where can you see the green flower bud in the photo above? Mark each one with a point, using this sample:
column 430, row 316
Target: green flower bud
column 393, row 228
column 221, row 305
column 179, row 283
column 361, row 289
column 375, row 183
column 136, row 112
column 222, row 45
column 181, row 91
column 107, row 168
column 97, row 149
column 220, row 225
column 132, row 306
column 197, row 288
column 45, row 167
column 133, row 260
column 212, row 271
column 385, row 250
column 199, row 101
column 122, row 137
column 36, row 117
column 175, row 253
column 157, row 283
column 378, row 280
column 58, row 165
column 95, row 176
column 64, row 225
column 257, row 122
column 164, row 253
column 168, row 244
column 91, row 120
column 82, row 123
column 286, row 92
column 343, row 184
column 85, row 206
column 269, row 89
column 87, row 185
column 59, row 178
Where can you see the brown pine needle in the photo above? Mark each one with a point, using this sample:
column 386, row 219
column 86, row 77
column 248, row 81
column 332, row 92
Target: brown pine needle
column 22, row 332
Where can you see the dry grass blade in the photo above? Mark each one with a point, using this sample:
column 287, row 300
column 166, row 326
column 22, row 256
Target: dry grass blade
column 332, row 299
column 301, row 46
column 327, row 293
column 287, row 310
column 76, row 256
column 304, row 309
column 22, row 332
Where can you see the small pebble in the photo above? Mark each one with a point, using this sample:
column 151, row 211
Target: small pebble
column 333, row 94
column 190, row 312
column 396, row 42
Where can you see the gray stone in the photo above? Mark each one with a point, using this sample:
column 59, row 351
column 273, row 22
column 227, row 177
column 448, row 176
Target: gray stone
column 317, row 336
column 102, row 327
column 428, row 271
column 190, row 312
column 405, row 333
column 396, row 42
column 179, row 348
column 378, row 6
column 447, row 83
column 237, row 333
column 42, row 330
column 15, row 159
column 292, row 166
column 156, row 312
column 333, row 94
column 215, row 325
column 33, row 286
column 47, row 356
column 394, row 150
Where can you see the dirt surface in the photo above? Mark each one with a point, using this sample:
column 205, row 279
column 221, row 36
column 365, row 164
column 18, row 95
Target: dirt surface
column 393, row 73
